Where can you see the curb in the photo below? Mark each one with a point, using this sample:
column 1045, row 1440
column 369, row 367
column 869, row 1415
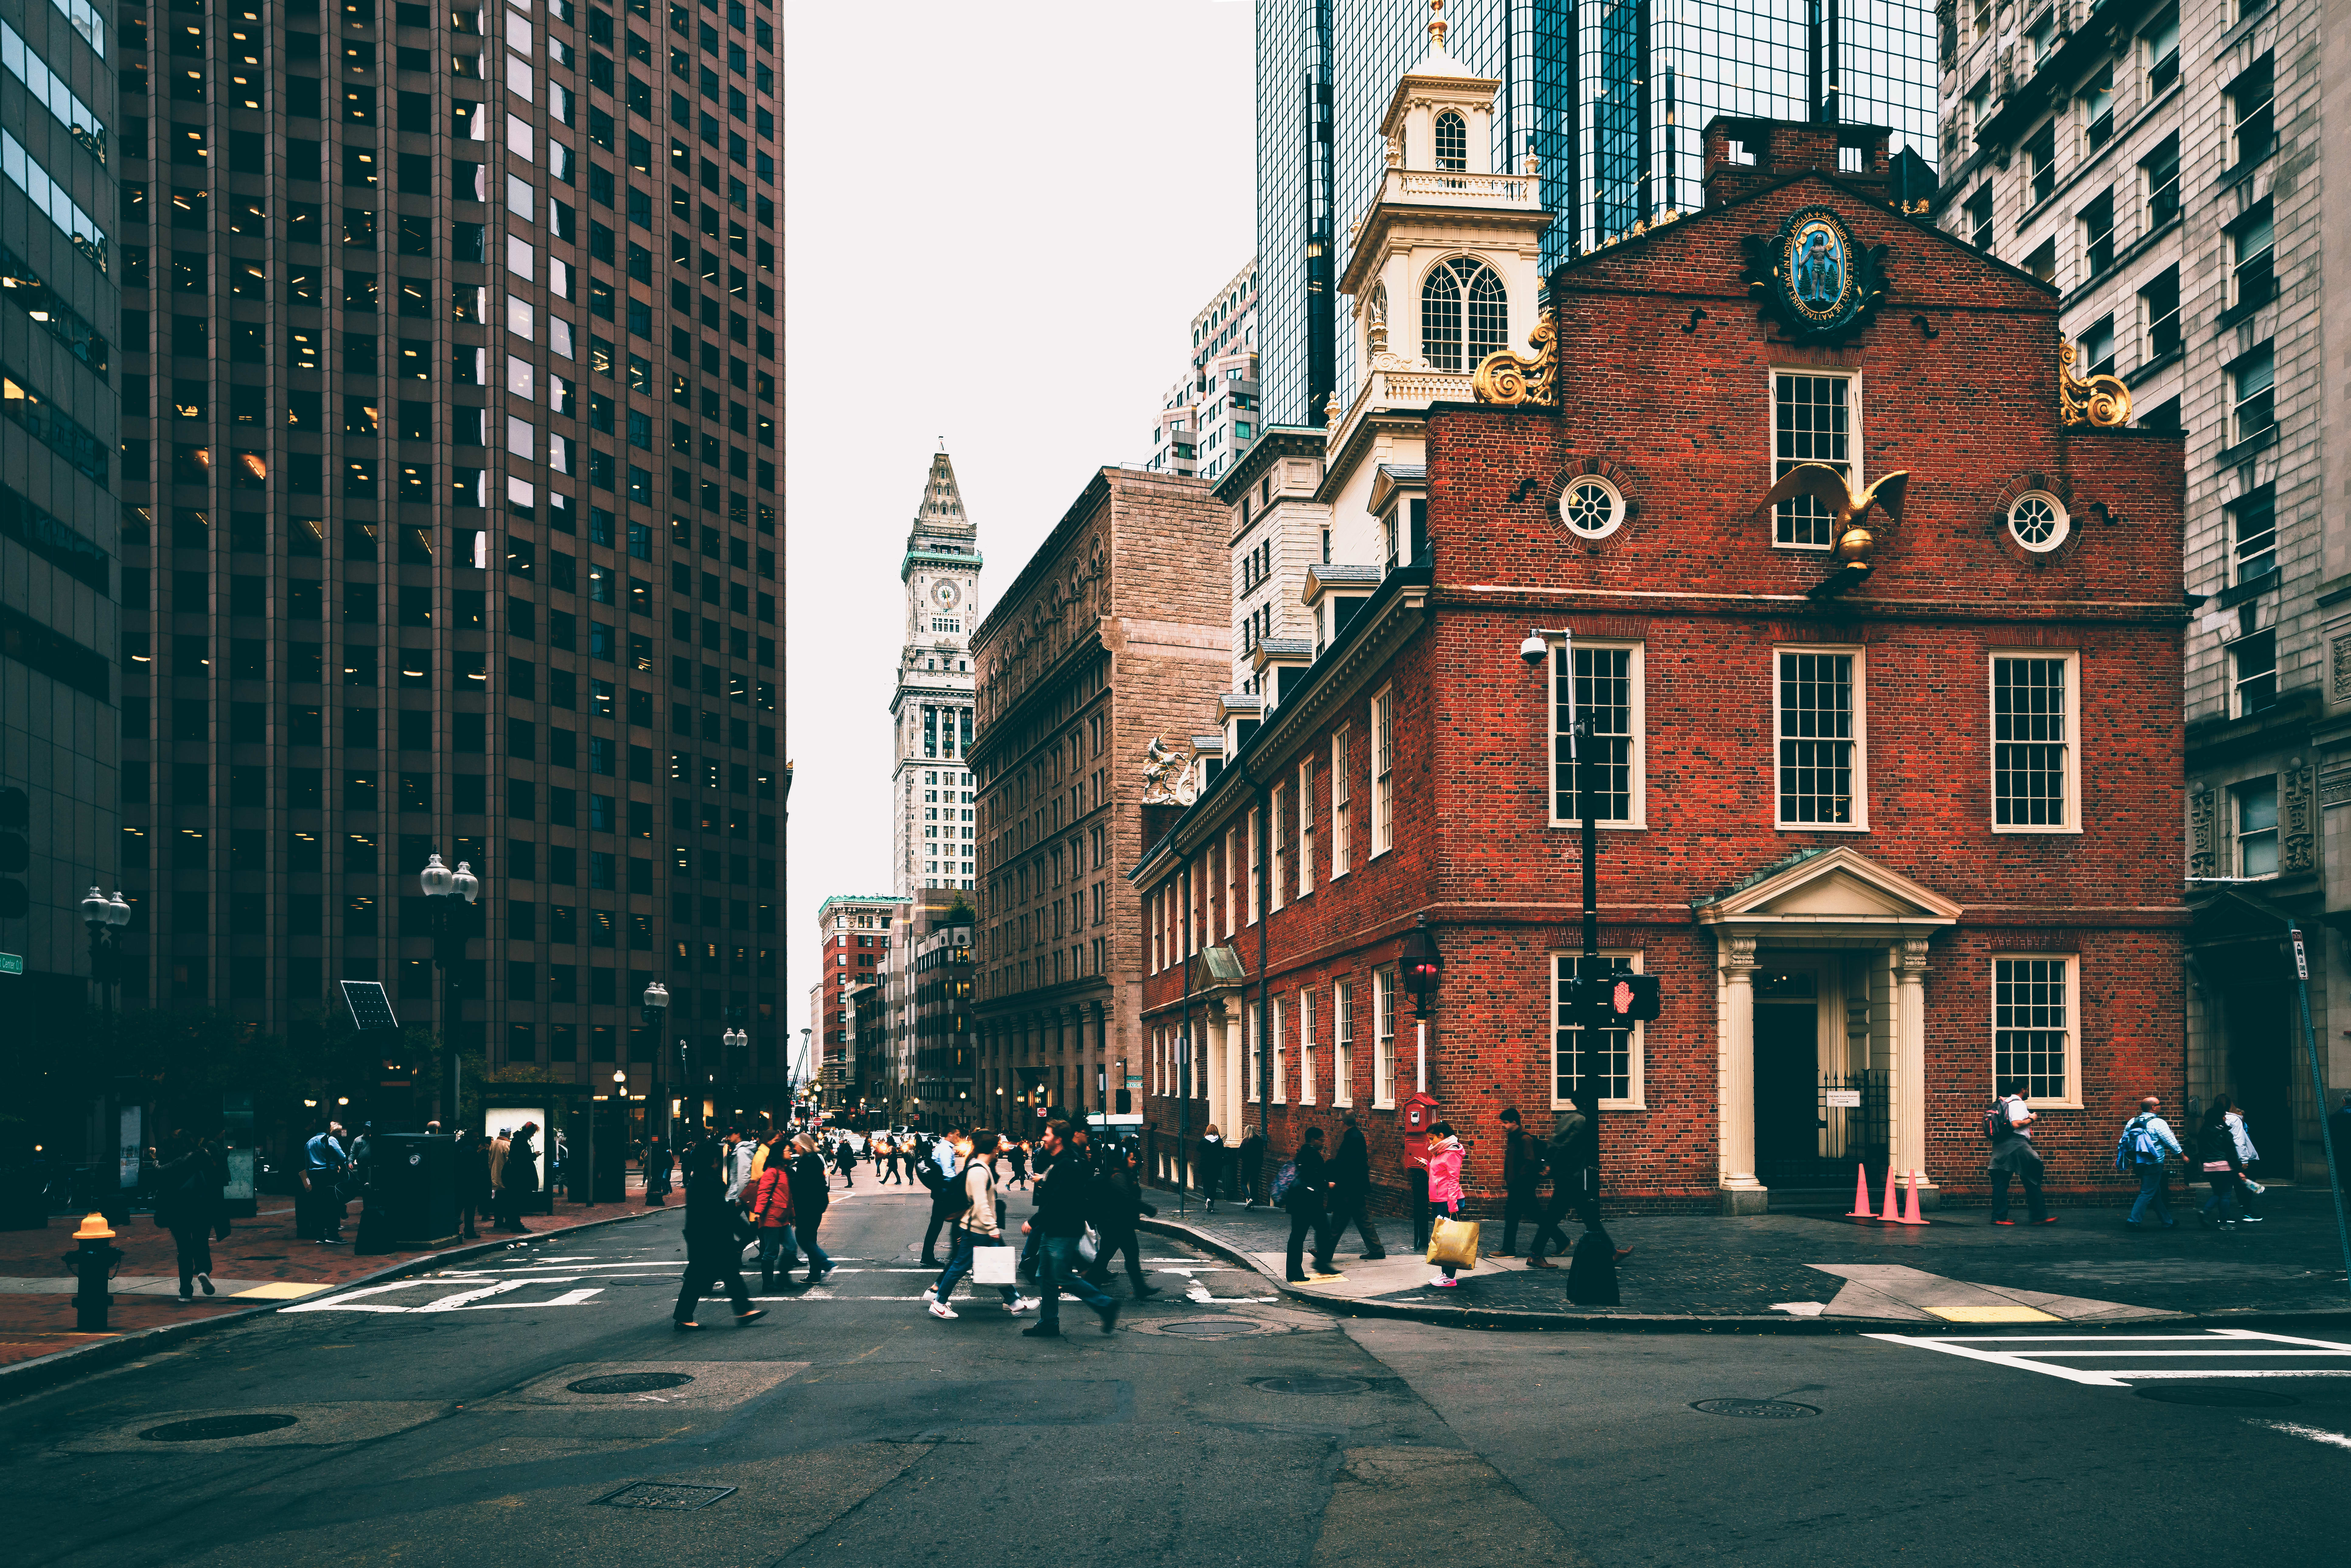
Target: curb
column 21, row 1378
column 2337, row 1319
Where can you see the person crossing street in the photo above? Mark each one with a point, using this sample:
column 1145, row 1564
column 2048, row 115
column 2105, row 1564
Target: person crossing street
column 1062, row 1195
column 713, row 1242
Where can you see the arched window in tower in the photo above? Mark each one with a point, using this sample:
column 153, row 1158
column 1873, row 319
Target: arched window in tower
column 1452, row 142
column 1463, row 305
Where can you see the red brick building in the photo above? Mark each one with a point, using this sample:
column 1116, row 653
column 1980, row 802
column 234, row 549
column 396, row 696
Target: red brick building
column 1882, row 830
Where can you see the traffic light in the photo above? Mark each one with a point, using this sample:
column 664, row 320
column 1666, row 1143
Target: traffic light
column 1615, row 1000
column 16, row 851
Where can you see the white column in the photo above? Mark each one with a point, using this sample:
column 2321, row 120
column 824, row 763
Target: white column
column 1735, row 1108
column 1909, row 1087
column 1212, row 1056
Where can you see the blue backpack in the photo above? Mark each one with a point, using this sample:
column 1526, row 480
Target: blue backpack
column 2140, row 1146
column 1285, row 1181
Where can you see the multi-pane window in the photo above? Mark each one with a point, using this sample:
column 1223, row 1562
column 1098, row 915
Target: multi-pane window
column 2253, row 111
column 2098, row 234
column 2252, row 259
column 2255, row 804
column 1256, row 862
column 2253, row 396
column 1812, row 422
column 2159, row 308
column 1343, row 846
column 2160, row 43
column 2033, row 1026
column 2031, row 741
column 1343, row 1043
column 1384, row 771
column 2159, row 170
column 1384, row 989
column 1305, row 828
column 1280, row 1081
column 1979, row 217
column 1255, row 1054
column 1281, row 814
column 1452, row 142
column 1605, row 689
column 2041, row 161
column 1606, row 1061
column 1819, row 729
column 2252, row 660
column 2098, row 346
column 1306, row 1048
column 1464, row 314
column 2252, row 533
column 2098, row 106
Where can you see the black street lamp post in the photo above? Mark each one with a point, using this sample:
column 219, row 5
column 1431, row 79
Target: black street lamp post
column 655, row 1010
column 451, row 926
column 105, row 917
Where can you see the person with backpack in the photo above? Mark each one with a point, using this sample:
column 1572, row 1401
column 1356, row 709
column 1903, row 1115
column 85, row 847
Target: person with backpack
column 2143, row 1150
column 187, row 1193
column 2223, row 1169
column 1307, row 1195
column 1523, row 1169
column 937, row 1170
column 2013, row 1156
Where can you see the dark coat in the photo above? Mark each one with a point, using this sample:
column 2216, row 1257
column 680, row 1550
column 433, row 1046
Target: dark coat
column 1351, row 1167
column 811, row 1189
column 186, row 1193
column 1063, row 1196
column 522, row 1165
column 1117, row 1201
column 710, row 1220
column 1522, row 1161
column 1311, row 1190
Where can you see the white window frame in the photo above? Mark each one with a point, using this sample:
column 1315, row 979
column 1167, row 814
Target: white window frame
column 1853, row 420
column 1273, row 1026
column 1232, row 904
column 1305, row 826
column 1341, row 803
column 1277, row 802
column 1255, row 1055
column 2072, row 1100
column 1636, row 1050
column 1637, row 672
column 1860, row 823
column 1383, row 771
column 1306, row 1046
column 1384, row 996
column 2072, row 661
column 1342, row 1042
column 1255, row 850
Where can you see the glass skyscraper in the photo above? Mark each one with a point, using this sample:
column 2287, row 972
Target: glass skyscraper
column 1611, row 95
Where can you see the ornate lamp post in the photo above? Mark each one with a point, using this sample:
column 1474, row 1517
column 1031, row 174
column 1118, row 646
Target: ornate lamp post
column 443, row 889
column 655, row 1007
column 1423, row 967
column 104, row 917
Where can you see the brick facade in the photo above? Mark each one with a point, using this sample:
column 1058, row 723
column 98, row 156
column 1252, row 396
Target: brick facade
column 1890, row 925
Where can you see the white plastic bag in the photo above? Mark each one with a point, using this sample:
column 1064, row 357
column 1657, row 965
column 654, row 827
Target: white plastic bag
column 1090, row 1245
column 995, row 1265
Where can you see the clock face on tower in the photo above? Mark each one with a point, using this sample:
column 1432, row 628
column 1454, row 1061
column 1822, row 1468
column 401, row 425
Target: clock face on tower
column 946, row 594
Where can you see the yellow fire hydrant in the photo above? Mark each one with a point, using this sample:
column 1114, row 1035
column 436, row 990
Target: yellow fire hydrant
column 94, row 1263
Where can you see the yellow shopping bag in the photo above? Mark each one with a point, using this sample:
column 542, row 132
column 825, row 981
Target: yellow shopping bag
column 1453, row 1241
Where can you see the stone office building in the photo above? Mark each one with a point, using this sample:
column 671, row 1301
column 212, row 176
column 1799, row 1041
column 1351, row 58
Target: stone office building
column 450, row 481
column 1113, row 637
column 2175, row 170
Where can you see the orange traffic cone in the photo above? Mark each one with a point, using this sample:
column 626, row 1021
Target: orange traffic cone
column 1861, row 1195
column 1892, row 1212
column 1910, row 1213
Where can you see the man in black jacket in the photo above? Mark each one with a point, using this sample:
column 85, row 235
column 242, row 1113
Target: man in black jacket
column 1252, row 1172
column 713, row 1242
column 1117, row 1203
column 936, row 1170
column 1350, row 1192
column 1063, row 1196
column 1307, row 1201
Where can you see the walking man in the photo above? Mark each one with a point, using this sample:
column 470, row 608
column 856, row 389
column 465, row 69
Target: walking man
column 713, row 1242
column 2012, row 1154
column 1307, row 1201
column 1062, row 1195
column 1350, row 1192
column 1523, row 1169
column 323, row 1162
column 2147, row 1144
column 1252, row 1157
column 937, row 1170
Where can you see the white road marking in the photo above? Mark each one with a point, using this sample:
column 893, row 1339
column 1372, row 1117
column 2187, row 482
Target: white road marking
column 2218, row 1343
column 461, row 1302
column 2314, row 1434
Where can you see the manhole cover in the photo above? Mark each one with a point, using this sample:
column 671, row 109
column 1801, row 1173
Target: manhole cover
column 1208, row 1328
column 2212, row 1394
column 1768, row 1409
column 631, row 1383
column 1316, row 1383
column 205, row 1428
column 663, row 1494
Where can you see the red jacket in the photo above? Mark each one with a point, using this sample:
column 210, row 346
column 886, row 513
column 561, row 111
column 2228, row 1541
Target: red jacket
column 772, row 1204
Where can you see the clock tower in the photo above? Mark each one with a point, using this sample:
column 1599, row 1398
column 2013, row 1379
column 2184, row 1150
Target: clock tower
column 931, row 710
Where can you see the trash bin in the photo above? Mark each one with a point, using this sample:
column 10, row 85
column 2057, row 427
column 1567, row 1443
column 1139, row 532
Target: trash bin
column 411, row 1197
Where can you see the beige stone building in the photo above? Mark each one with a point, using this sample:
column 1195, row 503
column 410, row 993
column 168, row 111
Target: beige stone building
column 1113, row 635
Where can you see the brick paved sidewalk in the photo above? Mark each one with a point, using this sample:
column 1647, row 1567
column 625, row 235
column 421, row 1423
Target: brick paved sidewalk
column 1702, row 1267
column 262, row 1256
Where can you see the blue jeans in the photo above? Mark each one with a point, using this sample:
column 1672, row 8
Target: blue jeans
column 777, row 1251
column 1060, row 1269
column 820, row 1261
column 2150, row 1192
column 959, row 1264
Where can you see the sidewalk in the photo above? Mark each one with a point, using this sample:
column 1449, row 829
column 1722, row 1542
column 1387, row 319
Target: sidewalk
column 261, row 1261
column 1784, row 1270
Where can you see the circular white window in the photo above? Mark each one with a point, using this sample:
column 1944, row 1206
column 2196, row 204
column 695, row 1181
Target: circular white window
column 1591, row 508
column 2038, row 521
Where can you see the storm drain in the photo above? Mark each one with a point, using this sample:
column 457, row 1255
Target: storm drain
column 1312, row 1384
column 1208, row 1328
column 2213, row 1394
column 631, row 1383
column 1766, row 1409
column 207, row 1427
column 665, row 1495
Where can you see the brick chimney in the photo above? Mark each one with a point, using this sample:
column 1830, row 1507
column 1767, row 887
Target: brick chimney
column 1744, row 155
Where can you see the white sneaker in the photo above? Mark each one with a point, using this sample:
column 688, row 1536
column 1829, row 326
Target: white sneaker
column 941, row 1309
column 930, row 1293
column 1439, row 1280
column 1019, row 1305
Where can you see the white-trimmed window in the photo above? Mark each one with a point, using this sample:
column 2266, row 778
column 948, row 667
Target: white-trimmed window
column 1606, row 686
column 1232, row 865
column 1343, row 846
column 1256, row 852
column 2253, row 805
column 1273, row 1020
column 1342, row 1042
column 1305, row 827
column 1256, row 1052
column 1609, row 1058
column 1815, row 418
column 1280, row 812
column 2034, row 1002
column 1384, row 771
column 1817, row 720
column 2035, row 760
column 1306, row 1048
column 1383, row 995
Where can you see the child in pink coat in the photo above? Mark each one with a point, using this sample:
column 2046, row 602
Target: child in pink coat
column 1444, row 1188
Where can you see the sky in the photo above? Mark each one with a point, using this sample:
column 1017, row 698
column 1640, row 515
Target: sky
column 999, row 221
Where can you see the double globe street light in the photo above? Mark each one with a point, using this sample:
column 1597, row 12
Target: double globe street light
column 443, row 889
column 104, row 916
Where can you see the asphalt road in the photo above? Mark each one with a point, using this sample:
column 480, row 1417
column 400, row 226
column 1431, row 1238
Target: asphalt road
column 1216, row 1427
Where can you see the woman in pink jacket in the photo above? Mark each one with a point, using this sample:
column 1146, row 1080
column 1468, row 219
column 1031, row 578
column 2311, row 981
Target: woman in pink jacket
column 1444, row 1188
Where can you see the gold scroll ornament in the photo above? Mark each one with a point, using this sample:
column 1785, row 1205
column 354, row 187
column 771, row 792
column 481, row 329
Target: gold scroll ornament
column 1505, row 377
column 2100, row 400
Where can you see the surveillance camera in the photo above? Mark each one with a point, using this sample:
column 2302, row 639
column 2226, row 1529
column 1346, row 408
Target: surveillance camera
column 1534, row 650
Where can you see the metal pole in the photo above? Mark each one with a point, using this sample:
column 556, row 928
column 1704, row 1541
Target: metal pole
column 2318, row 1088
column 1184, row 1076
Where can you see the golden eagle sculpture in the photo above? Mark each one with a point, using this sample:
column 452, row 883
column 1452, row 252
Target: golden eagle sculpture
column 1854, row 541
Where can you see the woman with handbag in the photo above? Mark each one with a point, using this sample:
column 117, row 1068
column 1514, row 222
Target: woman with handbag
column 977, row 1226
column 2223, row 1169
column 713, row 1242
column 1444, row 1156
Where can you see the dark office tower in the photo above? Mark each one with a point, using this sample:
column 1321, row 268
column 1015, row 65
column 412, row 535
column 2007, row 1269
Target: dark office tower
column 449, row 404
column 59, row 253
column 1610, row 96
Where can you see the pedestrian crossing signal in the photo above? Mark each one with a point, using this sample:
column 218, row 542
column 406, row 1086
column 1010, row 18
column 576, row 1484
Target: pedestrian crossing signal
column 1614, row 1000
